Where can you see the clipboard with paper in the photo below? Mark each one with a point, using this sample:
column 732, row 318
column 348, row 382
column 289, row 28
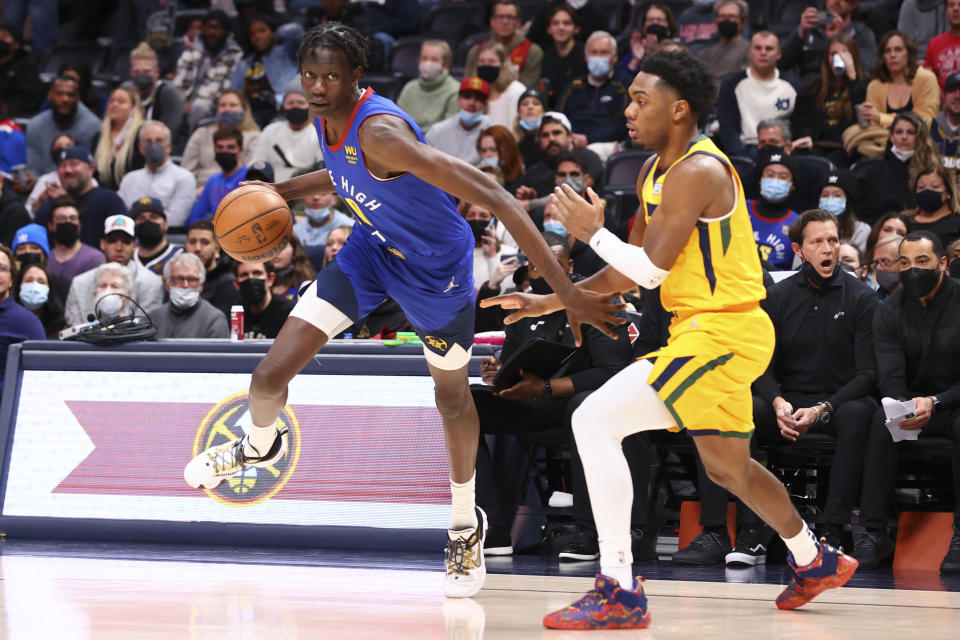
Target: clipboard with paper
column 538, row 356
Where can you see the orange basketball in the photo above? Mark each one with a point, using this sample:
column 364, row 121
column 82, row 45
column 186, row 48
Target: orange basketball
column 253, row 223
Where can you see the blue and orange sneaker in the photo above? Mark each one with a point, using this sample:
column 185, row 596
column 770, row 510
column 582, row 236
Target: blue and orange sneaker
column 830, row 569
column 607, row 606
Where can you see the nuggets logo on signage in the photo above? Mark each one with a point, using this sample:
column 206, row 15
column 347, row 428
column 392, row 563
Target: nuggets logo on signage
column 251, row 486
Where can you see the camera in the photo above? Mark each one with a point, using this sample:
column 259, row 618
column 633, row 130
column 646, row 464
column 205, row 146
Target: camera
column 824, row 18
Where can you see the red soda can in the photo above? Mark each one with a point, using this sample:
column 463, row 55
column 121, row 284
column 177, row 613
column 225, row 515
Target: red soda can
column 236, row 323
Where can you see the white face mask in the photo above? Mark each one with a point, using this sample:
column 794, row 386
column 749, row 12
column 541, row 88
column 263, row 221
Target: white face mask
column 430, row 70
column 902, row 154
column 183, row 297
column 317, row 215
column 109, row 303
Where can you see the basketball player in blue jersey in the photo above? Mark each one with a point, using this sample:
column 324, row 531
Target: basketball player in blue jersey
column 409, row 243
column 694, row 240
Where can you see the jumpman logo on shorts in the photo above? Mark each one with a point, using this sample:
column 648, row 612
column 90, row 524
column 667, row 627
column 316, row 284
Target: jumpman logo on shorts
column 452, row 285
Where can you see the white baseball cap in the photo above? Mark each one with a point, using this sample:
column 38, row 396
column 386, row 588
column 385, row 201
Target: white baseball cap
column 119, row 223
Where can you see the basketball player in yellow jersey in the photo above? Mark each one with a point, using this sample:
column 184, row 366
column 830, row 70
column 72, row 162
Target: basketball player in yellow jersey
column 695, row 241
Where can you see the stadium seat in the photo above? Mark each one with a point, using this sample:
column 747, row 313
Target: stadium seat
column 759, row 13
column 813, row 170
column 183, row 18
column 613, row 10
column 87, row 52
column 623, row 167
column 744, row 166
column 529, row 9
column 405, row 56
column 464, row 46
column 785, row 16
column 386, row 84
column 454, row 21
column 116, row 67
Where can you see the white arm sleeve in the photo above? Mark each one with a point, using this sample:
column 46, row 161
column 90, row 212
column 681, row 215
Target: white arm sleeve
column 630, row 260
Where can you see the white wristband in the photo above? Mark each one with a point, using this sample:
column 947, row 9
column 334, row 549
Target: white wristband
column 630, row 260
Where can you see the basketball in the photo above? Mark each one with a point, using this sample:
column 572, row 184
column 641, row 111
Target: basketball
column 253, row 223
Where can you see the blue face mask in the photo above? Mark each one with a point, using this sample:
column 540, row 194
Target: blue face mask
column 34, row 295
column 492, row 160
column 774, row 189
column 529, row 125
column 470, row 119
column 555, row 226
column 599, row 66
column 230, row 118
column 836, row 206
column 317, row 215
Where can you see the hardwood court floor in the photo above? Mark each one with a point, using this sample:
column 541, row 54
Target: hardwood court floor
column 66, row 597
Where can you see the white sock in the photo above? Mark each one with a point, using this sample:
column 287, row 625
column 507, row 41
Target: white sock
column 464, row 516
column 803, row 546
column 616, row 562
column 261, row 438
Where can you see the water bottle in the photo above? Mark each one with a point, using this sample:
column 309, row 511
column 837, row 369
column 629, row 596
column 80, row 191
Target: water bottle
column 839, row 66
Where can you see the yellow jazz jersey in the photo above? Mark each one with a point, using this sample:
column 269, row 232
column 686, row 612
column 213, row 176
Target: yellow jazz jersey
column 718, row 268
column 720, row 339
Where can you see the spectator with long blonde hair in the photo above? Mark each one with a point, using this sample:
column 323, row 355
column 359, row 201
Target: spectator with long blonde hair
column 115, row 148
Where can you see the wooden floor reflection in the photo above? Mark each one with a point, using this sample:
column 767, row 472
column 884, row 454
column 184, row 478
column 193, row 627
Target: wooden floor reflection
column 65, row 598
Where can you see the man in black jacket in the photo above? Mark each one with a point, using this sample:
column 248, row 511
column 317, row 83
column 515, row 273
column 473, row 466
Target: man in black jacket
column 918, row 358
column 534, row 403
column 218, row 289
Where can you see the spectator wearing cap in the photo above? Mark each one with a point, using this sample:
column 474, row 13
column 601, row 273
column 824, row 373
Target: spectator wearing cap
column 16, row 323
column 530, row 109
column 555, row 136
column 75, row 169
column 458, row 134
column 266, row 71
column 154, row 250
column 70, row 257
column 563, row 57
column 942, row 55
column 13, row 214
column 20, row 83
column 47, row 186
column 289, row 144
column 728, row 54
column 758, row 93
column 31, row 247
column 838, row 195
column 118, row 244
column 432, row 96
column 505, row 30
column 187, row 315
column 945, row 128
column 65, row 115
column 228, row 147
column 595, row 102
column 261, row 171
column 160, row 178
column 204, row 73
column 770, row 214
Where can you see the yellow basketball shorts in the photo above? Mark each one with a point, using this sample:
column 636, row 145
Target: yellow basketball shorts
column 703, row 374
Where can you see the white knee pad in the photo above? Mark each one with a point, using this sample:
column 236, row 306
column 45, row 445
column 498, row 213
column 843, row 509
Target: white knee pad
column 455, row 358
column 320, row 313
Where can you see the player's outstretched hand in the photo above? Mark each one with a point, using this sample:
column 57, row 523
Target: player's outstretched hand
column 527, row 305
column 590, row 307
column 581, row 218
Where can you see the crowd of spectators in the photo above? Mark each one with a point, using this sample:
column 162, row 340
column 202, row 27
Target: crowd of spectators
column 842, row 122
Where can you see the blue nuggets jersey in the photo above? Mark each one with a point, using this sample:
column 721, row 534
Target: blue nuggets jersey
column 405, row 215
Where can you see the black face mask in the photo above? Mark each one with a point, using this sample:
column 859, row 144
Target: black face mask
column 253, row 291
column 540, row 286
column 814, row 278
column 488, row 73
column 727, row 29
column 27, row 259
column 4, row 48
column 150, row 234
column 142, row 81
column 657, row 30
column 66, row 233
column 478, row 227
column 929, row 200
column 955, row 268
column 226, row 160
column 919, row 282
column 296, row 116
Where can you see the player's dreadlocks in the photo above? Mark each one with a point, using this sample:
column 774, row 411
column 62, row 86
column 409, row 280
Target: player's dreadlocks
column 335, row 35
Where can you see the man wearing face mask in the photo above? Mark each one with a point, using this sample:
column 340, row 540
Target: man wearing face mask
column 118, row 245
column 505, row 23
column 160, row 178
column 823, row 371
column 595, row 103
column 30, row 246
column 321, row 219
column 150, row 228
column 290, row 144
column 770, row 214
column 953, row 254
column 263, row 312
column 70, row 257
column 65, row 115
column 433, row 96
column 803, row 50
column 16, row 323
column 187, row 315
column 161, row 101
column 204, row 73
column 729, row 53
column 458, row 134
column 555, row 137
column 228, row 147
column 915, row 337
column 218, row 288
column 885, row 270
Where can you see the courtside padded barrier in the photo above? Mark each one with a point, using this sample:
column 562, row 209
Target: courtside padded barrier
column 690, row 522
column 922, row 540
